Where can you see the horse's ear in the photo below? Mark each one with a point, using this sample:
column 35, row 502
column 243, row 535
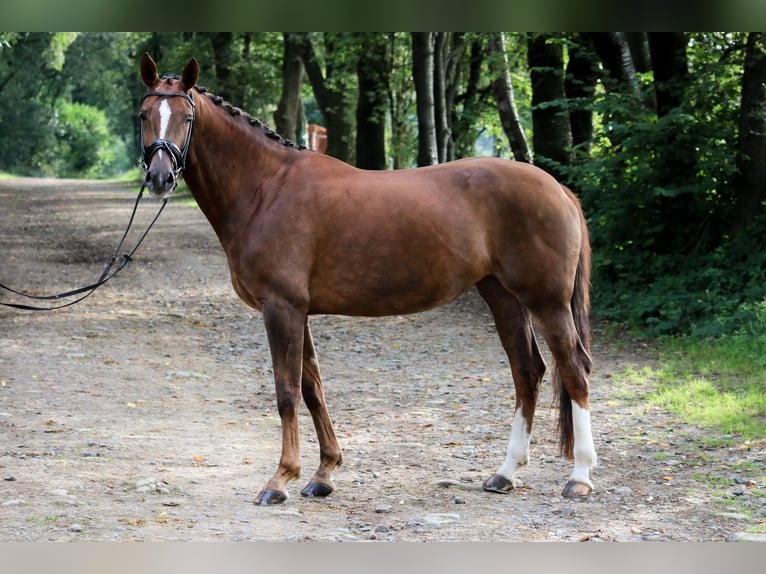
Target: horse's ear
column 148, row 70
column 190, row 75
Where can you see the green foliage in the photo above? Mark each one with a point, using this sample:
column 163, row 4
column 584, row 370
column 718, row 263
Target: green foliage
column 85, row 146
column 63, row 104
column 656, row 194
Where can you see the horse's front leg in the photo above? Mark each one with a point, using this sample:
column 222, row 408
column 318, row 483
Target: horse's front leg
column 321, row 483
column 284, row 328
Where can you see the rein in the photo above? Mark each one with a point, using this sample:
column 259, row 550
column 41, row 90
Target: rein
column 178, row 157
column 106, row 275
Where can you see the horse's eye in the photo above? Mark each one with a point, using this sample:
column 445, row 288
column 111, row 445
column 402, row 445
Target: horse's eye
column 142, row 116
column 188, row 119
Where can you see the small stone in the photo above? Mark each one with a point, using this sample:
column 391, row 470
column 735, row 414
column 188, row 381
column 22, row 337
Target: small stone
column 739, row 491
column 149, row 482
column 652, row 538
column 746, row 537
column 440, row 518
column 734, row 515
column 459, row 500
column 623, row 490
column 75, row 528
column 9, row 478
column 382, row 529
column 13, row 502
column 743, row 481
column 383, row 509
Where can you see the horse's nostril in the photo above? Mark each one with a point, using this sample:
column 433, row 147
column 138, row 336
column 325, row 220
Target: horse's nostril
column 170, row 179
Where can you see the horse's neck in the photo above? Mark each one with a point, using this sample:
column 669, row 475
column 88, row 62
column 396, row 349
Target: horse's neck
column 228, row 170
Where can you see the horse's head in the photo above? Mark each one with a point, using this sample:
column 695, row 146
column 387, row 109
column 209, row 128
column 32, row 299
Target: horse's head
column 167, row 119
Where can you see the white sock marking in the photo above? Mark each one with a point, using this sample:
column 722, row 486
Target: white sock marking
column 518, row 447
column 584, row 451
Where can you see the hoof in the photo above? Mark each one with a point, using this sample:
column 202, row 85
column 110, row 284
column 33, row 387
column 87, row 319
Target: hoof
column 575, row 489
column 498, row 483
column 268, row 497
column 317, row 490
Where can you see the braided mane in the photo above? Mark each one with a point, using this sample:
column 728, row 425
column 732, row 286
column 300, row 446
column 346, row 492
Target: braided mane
column 235, row 111
column 252, row 120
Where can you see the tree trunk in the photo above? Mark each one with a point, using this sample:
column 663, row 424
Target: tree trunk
column 372, row 73
column 580, row 85
column 467, row 106
column 614, row 51
column 750, row 180
column 287, row 117
column 400, row 104
column 552, row 134
column 423, row 75
column 639, row 50
column 442, row 42
column 502, row 89
column 332, row 95
column 671, row 68
column 223, row 56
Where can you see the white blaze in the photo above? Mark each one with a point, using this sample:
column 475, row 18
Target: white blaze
column 164, row 118
column 164, row 121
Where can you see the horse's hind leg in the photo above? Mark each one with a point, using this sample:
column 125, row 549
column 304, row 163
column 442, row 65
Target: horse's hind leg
column 571, row 380
column 321, row 483
column 514, row 327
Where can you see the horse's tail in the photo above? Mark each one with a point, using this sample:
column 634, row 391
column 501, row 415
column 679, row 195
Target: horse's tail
column 580, row 306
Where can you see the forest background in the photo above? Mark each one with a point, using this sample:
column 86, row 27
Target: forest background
column 661, row 135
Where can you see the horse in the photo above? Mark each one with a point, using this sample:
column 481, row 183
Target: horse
column 307, row 234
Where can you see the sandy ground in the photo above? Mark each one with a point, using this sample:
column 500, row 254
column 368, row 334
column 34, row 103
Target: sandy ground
column 147, row 411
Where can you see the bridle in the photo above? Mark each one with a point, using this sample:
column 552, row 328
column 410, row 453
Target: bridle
column 177, row 155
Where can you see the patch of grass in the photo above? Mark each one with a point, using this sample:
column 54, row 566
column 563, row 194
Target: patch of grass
column 718, row 384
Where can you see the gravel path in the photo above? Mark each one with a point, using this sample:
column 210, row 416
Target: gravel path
column 147, row 412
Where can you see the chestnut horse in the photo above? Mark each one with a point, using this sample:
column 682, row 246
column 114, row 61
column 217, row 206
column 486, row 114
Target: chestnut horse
column 307, row 234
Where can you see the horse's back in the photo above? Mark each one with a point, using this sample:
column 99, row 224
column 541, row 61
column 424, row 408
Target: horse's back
column 394, row 242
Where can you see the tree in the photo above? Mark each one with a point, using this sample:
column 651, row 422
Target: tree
column 750, row 179
column 423, row 76
column 502, row 89
column 580, row 84
column 373, row 70
column 468, row 94
column 332, row 89
column 289, row 113
column 671, row 69
column 552, row 133
column 223, row 57
column 401, row 101
column 614, row 51
column 638, row 42
column 442, row 48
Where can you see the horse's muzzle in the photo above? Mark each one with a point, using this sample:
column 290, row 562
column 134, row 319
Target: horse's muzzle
column 160, row 181
column 163, row 162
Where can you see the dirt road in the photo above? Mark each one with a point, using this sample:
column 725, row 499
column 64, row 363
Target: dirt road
column 147, row 412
